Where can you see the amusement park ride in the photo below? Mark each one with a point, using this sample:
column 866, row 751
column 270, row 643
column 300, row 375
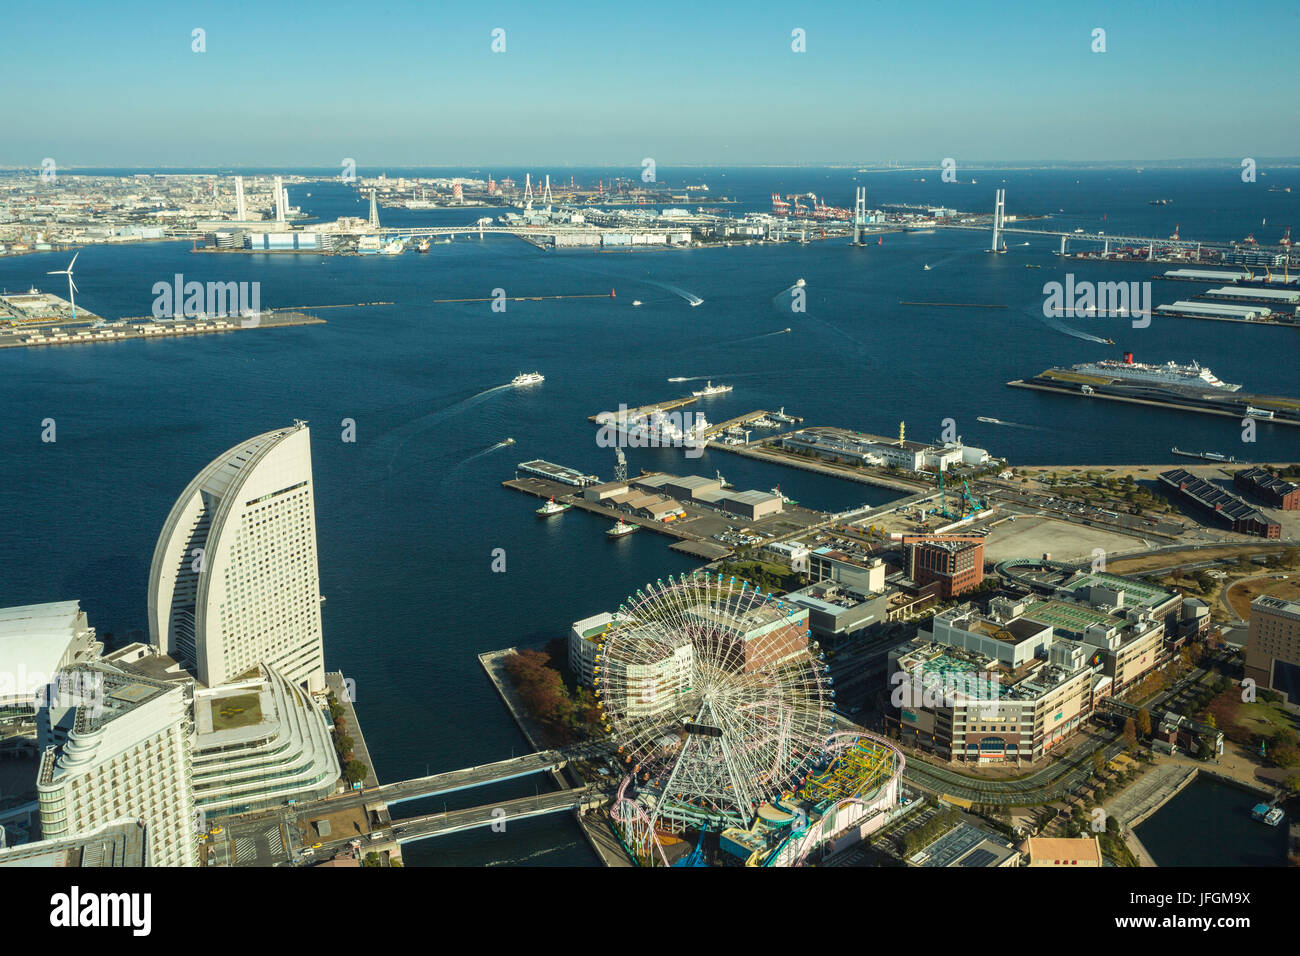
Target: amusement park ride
column 721, row 710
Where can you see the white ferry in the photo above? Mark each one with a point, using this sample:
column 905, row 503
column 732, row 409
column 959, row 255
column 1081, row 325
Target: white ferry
column 528, row 378
column 711, row 389
column 1170, row 373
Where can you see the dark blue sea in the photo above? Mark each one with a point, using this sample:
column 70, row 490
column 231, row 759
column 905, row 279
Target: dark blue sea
column 409, row 514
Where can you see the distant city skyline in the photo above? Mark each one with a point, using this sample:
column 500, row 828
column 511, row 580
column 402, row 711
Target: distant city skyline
column 682, row 84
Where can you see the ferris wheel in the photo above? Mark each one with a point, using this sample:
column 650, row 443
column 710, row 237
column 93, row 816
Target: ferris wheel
column 715, row 698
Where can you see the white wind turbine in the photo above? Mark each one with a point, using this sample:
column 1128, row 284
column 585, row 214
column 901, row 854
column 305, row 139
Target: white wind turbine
column 72, row 286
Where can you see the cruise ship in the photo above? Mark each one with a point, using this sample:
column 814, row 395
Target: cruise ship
column 1170, row 373
column 711, row 389
column 528, row 378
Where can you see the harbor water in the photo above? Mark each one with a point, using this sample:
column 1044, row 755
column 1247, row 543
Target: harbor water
column 411, row 513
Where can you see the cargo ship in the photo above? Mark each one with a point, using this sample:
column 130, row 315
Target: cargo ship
column 1170, row 373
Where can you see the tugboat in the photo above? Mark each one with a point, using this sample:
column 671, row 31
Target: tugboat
column 551, row 508
column 621, row 529
column 422, row 245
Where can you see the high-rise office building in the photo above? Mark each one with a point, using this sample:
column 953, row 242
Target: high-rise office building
column 1273, row 647
column 234, row 581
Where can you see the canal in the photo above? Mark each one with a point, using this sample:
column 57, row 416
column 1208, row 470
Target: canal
column 1209, row 824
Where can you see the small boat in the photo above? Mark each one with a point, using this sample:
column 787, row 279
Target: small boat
column 621, row 529
column 990, row 421
column 509, row 441
column 789, row 330
column 1030, row 265
column 636, row 301
column 927, row 267
column 1267, row 814
column 552, row 508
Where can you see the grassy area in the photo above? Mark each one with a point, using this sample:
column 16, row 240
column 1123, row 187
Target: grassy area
column 1157, row 562
column 243, row 710
column 1241, row 594
column 1263, row 718
column 763, row 574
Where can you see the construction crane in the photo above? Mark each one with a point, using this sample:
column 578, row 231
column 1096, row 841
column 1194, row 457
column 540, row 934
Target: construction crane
column 1286, row 238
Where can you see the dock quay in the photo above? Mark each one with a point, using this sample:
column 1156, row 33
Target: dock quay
column 700, row 530
column 344, row 691
column 540, row 488
column 644, row 410
column 761, row 451
column 147, row 328
column 734, row 422
column 595, row 826
column 1285, row 411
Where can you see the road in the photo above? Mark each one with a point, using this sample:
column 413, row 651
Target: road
column 498, row 815
column 1052, row 782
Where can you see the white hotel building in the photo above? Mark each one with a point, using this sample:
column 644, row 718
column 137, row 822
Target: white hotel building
column 234, row 581
column 123, row 750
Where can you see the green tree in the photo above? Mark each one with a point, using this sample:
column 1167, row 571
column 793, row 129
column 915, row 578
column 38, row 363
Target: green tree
column 355, row 771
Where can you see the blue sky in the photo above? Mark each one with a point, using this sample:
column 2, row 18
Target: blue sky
column 416, row 83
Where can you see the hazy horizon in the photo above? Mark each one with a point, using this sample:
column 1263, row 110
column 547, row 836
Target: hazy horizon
column 684, row 84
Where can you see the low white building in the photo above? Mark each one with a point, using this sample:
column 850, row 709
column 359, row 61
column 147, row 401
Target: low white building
column 36, row 642
column 258, row 744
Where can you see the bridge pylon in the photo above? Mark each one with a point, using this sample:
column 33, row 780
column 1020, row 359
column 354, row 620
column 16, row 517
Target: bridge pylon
column 859, row 214
column 999, row 210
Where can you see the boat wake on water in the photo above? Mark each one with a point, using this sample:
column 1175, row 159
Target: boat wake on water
column 487, row 451
column 998, row 421
column 422, row 425
column 693, row 299
column 1059, row 326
